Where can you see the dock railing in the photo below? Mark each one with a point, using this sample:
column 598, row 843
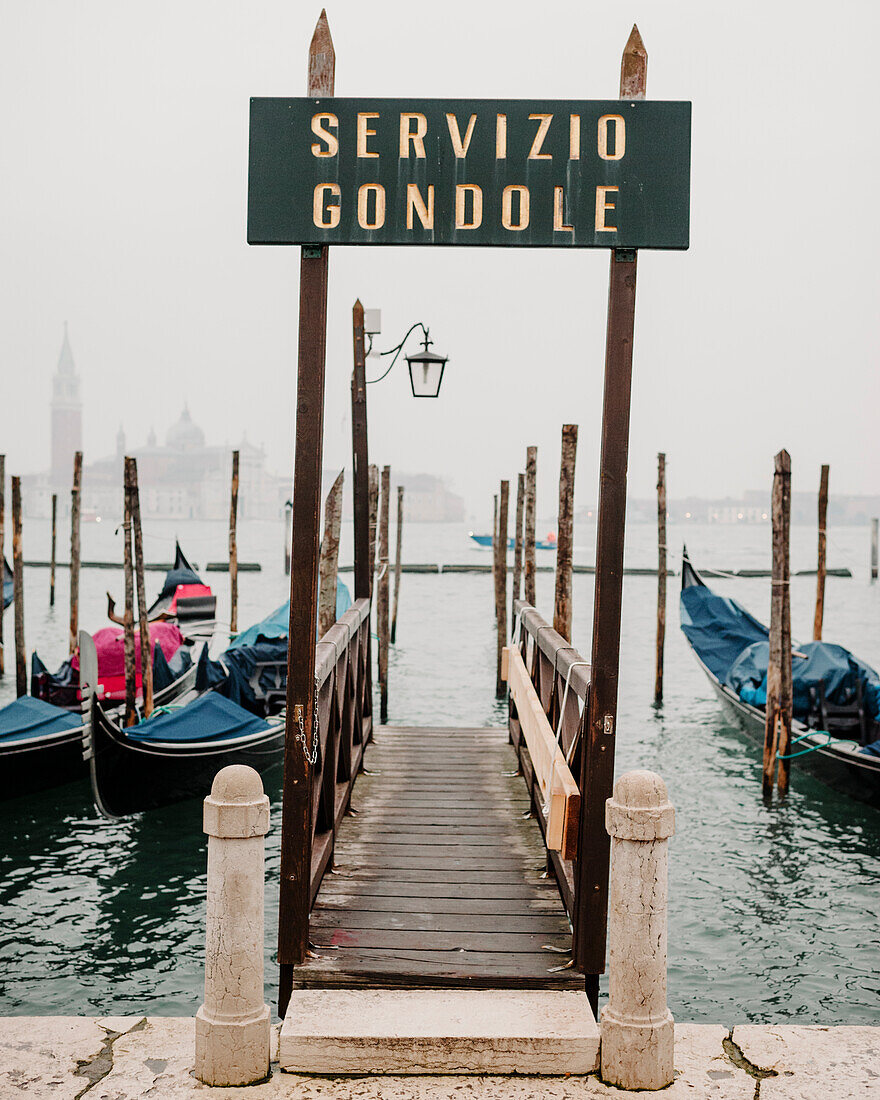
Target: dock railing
column 561, row 681
column 343, row 679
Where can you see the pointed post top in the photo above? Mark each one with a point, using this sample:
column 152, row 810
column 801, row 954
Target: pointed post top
column 782, row 462
column 634, row 67
column 358, row 309
column 322, row 60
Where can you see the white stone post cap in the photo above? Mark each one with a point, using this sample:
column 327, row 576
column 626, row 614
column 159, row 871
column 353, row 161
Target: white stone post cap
column 640, row 808
column 236, row 806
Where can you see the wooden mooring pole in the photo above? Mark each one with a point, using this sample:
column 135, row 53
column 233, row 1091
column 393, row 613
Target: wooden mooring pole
column 53, row 550
column 382, row 595
column 233, row 547
column 374, row 519
column 597, row 759
column 75, row 506
column 288, row 535
column 500, row 548
column 328, row 569
column 128, row 620
column 397, row 564
column 821, row 564
column 2, row 553
column 518, row 547
column 18, row 591
column 661, row 578
column 363, row 570
column 296, row 815
column 777, row 722
column 529, row 530
column 565, row 532
column 875, row 524
column 140, row 589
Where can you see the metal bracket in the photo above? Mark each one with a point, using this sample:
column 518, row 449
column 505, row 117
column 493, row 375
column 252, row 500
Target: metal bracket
column 312, row 251
column 624, row 255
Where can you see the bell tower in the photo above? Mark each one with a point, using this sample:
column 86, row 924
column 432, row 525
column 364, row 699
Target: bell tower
column 66, row 416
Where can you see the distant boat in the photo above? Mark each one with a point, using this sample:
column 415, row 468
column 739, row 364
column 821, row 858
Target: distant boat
column 487, row 541
column 836, row 722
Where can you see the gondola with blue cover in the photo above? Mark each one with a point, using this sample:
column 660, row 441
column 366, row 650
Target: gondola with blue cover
column 836, row 719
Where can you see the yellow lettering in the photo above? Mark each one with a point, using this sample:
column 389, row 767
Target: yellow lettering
column 461, row 191
column 602, row 205
column 364, row 132
column 415, row 203
column 323, row 215
column 501, row 137
column 543, row 126
column 417, row 136
column 325, row 135
column 619, row 137
column 559, row 225
column 574, row 137
column 364, row 193
column 507, row 207
column 460, row 147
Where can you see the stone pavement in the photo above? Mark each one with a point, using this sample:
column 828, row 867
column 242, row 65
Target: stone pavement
column 134, row 1058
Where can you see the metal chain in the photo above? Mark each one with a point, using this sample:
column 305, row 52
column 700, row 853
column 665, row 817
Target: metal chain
column 311, row 755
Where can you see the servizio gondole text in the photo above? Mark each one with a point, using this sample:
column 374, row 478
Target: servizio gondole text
column 612, row 174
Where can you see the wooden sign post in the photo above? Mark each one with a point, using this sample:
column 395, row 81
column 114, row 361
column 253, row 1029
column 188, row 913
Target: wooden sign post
column 597, row 759
column 300, row 749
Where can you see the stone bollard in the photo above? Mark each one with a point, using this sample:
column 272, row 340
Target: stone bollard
column 232, row 1026
column 637, row 1027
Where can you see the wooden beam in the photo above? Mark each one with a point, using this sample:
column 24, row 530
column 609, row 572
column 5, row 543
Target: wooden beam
column 128, row 623
column 777, row 723
column 382, row 600
column 529, row 531
column 329, row 566
column 397, row 564
column 75, row 507
column 51, row 557
column 518, row 547
column 296, row 817
column 143, row 623
column 499, row 544
column 551, row 770
column 597, row 759
column 821, row 565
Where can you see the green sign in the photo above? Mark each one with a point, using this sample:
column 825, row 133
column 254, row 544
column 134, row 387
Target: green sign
column 526, row 173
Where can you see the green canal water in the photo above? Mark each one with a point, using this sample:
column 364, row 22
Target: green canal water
column 773, row 911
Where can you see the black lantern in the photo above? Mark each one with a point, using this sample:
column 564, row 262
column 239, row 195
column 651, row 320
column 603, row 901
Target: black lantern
column 426, row 371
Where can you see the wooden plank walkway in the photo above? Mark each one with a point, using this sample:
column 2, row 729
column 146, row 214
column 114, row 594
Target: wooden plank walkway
column 439, row 877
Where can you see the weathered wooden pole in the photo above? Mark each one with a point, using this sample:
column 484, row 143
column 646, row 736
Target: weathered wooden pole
column 53, row 550
column 597, row 759
column 529, row 531
column 397, row 564
column 821, row 566
column 565, row 532
column 875, row 524
column 382, row 597
column 363, row 570
column 296, row 816
column 128, row 619
column 777, row 722
column 374, row 518
column 233, row 547
column 288, row 520
column 18, row 591
column 518, row 547
column 2, row 553
column 500, row 548
column 131, row 474
column 495, row 550
column 329, row 564
column 75, row 507
column 661, row 578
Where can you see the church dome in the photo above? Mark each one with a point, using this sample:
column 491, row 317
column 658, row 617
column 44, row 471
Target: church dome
column 185, row 435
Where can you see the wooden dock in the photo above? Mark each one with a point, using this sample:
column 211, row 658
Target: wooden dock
column 440, row 877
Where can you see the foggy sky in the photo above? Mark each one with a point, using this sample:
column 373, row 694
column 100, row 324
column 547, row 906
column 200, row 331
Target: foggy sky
column 123, row 175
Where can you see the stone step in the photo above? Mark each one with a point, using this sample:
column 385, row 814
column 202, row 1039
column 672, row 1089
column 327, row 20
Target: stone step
column 458, row 1031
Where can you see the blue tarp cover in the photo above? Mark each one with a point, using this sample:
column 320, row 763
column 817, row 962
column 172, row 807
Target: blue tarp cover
column 277, row 624
column 28, row 717
column 734, row 647
column 211, row 717
column 231, row 674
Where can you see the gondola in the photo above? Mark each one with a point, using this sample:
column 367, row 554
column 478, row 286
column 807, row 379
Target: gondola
column 41, row 744
column 836, row 723
column 174, row 756
column 185, row 598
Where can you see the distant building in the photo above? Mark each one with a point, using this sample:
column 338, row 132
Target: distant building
column 66, row 412
column 426, row 499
